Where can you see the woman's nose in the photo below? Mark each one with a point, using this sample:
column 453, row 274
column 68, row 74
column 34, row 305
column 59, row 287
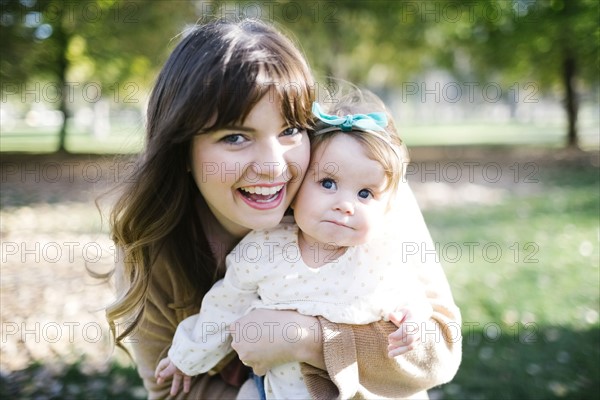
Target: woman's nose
column 269, row 162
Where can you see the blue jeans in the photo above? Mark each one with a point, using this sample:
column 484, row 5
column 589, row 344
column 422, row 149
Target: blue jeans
column 260, row 385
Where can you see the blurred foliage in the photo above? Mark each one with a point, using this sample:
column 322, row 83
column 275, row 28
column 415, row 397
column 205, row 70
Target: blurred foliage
column 113, row 44
column 72, row 381
column 378, row 43
column 104, row 41
column 531, row 41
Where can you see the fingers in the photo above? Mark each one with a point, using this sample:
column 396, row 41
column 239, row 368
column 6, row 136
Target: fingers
column 166, row 372
column 407, row 328
column 408, row 340
column 398, row 351
column 176, row 384
column 167, row 369
column 397, row 317
column 187, row 383
column 405, row 335
column 158, row 373
column 396, row 348
column 404, row 339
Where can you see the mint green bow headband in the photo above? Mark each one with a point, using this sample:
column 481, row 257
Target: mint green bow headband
column 376, row 121
column 372, row 123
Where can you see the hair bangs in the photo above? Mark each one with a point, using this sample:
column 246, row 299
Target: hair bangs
column 243, row 84
column 296, row 96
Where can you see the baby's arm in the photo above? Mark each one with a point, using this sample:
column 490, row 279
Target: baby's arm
column 203, row 340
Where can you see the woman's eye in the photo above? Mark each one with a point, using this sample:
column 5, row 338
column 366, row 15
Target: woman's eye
column 290, row 131
column 233, row 139
column 328, row 184
column 365, row 194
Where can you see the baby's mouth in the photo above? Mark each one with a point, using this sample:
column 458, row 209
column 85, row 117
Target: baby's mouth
column 261, row 194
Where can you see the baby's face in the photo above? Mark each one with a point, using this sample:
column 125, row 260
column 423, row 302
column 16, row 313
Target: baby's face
column 342, row 200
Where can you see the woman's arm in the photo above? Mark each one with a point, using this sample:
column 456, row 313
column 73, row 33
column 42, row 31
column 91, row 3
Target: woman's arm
column 266, row 338
column 345, row 360
column 357, row 362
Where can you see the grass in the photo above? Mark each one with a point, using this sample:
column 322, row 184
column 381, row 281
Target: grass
column 123, row 139
column 530, row 316
column 545, row 363
column 485, row 133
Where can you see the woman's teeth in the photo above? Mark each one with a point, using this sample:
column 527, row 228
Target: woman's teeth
column 262, row 190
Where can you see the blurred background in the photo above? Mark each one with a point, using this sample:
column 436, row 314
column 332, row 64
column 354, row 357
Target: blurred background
column 497, row 100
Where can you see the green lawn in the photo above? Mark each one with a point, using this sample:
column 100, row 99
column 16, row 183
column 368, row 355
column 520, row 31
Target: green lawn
column 530, row 315
column 497, row 134
column 121, row 140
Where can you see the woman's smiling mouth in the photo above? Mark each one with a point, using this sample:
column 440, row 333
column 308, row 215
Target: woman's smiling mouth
column 262, row 196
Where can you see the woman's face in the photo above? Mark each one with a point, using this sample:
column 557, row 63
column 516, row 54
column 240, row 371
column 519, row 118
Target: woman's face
column 249, row 174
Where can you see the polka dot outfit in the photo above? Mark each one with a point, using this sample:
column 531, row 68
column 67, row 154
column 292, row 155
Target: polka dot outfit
column 266, row 270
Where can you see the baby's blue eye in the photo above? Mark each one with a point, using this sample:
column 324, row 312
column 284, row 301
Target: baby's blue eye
column 364, row 194
column 328, row 183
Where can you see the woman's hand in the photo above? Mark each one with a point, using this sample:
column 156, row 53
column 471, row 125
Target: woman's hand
column 264, row 339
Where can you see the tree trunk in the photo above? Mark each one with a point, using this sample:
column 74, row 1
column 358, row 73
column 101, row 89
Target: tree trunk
column 61, row 72
column 569, row 70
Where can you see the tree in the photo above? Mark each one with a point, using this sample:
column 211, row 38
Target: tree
column 75, row 42
column 554, row 42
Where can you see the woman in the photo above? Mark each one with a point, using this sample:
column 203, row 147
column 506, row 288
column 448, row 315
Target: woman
column 226, row 151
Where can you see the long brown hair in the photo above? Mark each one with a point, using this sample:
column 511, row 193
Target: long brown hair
column 213, row 78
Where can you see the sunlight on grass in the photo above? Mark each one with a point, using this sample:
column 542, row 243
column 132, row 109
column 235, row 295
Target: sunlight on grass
column 532, row 259
column 121, row 140
column 497, row 134
column 527, row 284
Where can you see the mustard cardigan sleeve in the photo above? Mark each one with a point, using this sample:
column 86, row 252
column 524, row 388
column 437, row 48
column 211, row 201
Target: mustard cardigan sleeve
column 152, row 340
column 358, row 366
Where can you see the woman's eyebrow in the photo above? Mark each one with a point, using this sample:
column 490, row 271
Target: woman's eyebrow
column 238, row 128
column 244, row 128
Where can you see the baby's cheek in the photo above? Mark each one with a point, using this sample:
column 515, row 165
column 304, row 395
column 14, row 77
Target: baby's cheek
column 373, row 226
